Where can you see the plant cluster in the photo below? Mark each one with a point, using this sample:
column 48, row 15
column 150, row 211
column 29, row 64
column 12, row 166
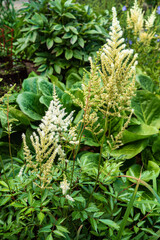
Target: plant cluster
column 60, row 36
column 80, row 159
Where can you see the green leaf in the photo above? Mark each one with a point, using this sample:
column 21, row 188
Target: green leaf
column 57, row 27
column 67, row 35
column 145, row 82
column 77, row 54
column 73, row 39
column 146, row 175
column 110, row 223
column 76, row 215
column 30, row 105
column 31, row 84
column 30, row 198
column 92, row 208
column 68, row 54
column 58, row 233
column 72, row 79
column 49, row 43
column 57, row 68
column 129, row 150
column 41, row 217
column 146, row 107
column 20, row 116
column 3, row 184
column 4, row 200
column 93, row 224
column 45, row 87
column 62, row 229
column 46, row 228
column 138, row 132
column 49, row 237
column 58, row 40
column 69, row 15
column 81, row 42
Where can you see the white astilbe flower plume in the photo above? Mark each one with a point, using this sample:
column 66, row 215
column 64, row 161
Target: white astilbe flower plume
column 47, row 142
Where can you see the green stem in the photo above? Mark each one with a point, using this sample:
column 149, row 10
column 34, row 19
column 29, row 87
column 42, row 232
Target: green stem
column 100, row 157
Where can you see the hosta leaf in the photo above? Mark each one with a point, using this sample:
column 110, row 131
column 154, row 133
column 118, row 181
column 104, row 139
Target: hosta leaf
column 30, row 105
column 146, row 107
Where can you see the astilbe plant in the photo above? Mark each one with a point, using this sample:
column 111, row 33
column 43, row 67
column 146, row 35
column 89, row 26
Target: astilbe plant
column 142, row 28
column 111, row 84
column 54, row 133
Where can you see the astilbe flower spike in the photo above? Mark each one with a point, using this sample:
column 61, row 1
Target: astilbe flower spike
column 47, row 142
column 141, row 27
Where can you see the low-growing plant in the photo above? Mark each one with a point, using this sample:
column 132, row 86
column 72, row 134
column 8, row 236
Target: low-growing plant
column 61, row 36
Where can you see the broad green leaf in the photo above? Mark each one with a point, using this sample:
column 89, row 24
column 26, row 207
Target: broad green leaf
column 45, row 87
column 31, row 84
column 146, row 107
column 20, row 116
column 76, row 215
column 145, row 82
column 68, row 54
column 110, row 223
column 72, row 79
column 30, row 105
column 46, row 100
column 78, row 54
column 57, row 40
column 152, row 166
column 62, row 229
column 74, row 30
column 129, row 150
column 138, row 132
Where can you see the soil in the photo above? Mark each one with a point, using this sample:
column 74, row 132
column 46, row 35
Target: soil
column 14, row 72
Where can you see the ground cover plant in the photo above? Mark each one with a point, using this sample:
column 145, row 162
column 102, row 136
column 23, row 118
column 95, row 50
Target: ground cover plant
column 79, row 159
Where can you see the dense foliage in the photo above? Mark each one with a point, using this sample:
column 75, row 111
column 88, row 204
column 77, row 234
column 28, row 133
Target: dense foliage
column 79, row 147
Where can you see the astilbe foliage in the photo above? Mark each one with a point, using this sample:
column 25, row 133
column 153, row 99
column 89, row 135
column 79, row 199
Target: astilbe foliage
column 54, row 133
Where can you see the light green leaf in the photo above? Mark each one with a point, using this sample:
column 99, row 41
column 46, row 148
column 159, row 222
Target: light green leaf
column 69, row 15
column 41, row 217
column 81, row 42
column 68, row 54
column 146, row 107
column 110, row 223
column 49, row 43
column 73, row 39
